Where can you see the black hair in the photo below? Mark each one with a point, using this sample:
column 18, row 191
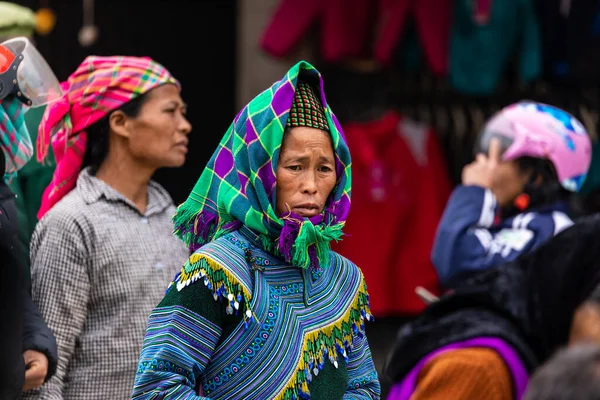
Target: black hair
column 96, row 148
column 543, row 186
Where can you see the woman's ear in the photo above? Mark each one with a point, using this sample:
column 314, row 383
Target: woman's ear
column 119, row 123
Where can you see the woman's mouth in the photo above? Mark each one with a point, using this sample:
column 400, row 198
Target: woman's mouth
column 182, row 147
column 306, row 210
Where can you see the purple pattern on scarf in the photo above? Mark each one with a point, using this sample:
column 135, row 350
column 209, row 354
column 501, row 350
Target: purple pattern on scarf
column 224, row 163
column 243, row 182
column 282, row 99
column 251, row 134
column 204, row 223
column 338, row 210
column 288, row 235
column 267, row 176
column 232, row 225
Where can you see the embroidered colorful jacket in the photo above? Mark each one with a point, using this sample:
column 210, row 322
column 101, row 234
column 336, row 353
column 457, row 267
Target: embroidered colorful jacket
column 238, row 323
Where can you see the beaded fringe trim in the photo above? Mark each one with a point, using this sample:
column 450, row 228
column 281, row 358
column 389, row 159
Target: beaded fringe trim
column 319, row 346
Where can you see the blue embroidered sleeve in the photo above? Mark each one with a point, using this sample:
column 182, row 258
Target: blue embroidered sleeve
column 177, row 347
column 363, row 381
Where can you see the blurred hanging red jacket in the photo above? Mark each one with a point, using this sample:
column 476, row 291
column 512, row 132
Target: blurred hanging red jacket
column 432, row 20
column 347, row 27
column 399, row 190
column 344, row 27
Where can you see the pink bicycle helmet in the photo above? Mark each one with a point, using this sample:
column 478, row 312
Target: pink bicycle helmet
column 529, row 129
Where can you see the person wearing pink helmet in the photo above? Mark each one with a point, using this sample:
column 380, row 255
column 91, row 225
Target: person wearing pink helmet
column 513, row 197
column 486, row 338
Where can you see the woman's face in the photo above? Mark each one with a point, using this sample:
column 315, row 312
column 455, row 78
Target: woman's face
column 508, row 182
column 305, row 172
column 157, row 136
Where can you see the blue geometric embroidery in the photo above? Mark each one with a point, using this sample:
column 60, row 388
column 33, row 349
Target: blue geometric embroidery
column 158, row 364
column 275, row 292
column 363, row 380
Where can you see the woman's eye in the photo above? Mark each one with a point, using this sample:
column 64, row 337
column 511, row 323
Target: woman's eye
column 294, row 167
column 324, row 169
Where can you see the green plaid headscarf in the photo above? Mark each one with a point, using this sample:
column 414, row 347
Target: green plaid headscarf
column 15, row 141
column 237, row 186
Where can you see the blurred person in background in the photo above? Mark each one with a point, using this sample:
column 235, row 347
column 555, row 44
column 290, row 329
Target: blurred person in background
column 103, row 252
column 28, row 186
column 586, row 322
column 514, row 196
column 264, row 309
column 27, row 345
column 572, row 374
column 485, row 338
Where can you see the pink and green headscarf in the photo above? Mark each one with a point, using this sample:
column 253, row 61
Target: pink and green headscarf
column 237, row 187
column 99, row 86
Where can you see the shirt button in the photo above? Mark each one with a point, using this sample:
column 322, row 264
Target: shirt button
column 144, row 220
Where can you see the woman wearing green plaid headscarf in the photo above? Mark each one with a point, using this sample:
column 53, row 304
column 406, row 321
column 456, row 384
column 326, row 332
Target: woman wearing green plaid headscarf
column 263, row 309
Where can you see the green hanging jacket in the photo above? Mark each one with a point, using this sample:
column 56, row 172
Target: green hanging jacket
column 480, row 53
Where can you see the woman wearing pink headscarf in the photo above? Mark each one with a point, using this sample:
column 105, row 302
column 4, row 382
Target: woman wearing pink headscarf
column 103, row 253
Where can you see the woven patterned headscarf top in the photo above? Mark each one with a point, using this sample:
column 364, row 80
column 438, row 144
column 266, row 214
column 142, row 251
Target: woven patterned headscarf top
column 15, row 142
column 99, row 86
column 237, row 187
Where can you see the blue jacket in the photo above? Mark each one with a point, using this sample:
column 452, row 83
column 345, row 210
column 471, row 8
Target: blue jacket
column 469, row 239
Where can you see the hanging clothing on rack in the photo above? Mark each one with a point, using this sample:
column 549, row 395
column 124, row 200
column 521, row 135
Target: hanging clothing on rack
column 571, row 38
column 344, row 26
column 400, row 191
column 553, row 18
column 483, row 41
column 432, row 20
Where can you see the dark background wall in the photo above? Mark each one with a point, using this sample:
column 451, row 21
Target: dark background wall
column 194, row 39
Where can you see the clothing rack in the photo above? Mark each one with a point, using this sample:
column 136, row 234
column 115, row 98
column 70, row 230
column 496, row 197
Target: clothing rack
column 456, row 118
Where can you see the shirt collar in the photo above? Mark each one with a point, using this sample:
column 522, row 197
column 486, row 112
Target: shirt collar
column 93, row 189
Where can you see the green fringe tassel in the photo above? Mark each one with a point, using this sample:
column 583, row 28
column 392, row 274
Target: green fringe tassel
column 318, row 236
